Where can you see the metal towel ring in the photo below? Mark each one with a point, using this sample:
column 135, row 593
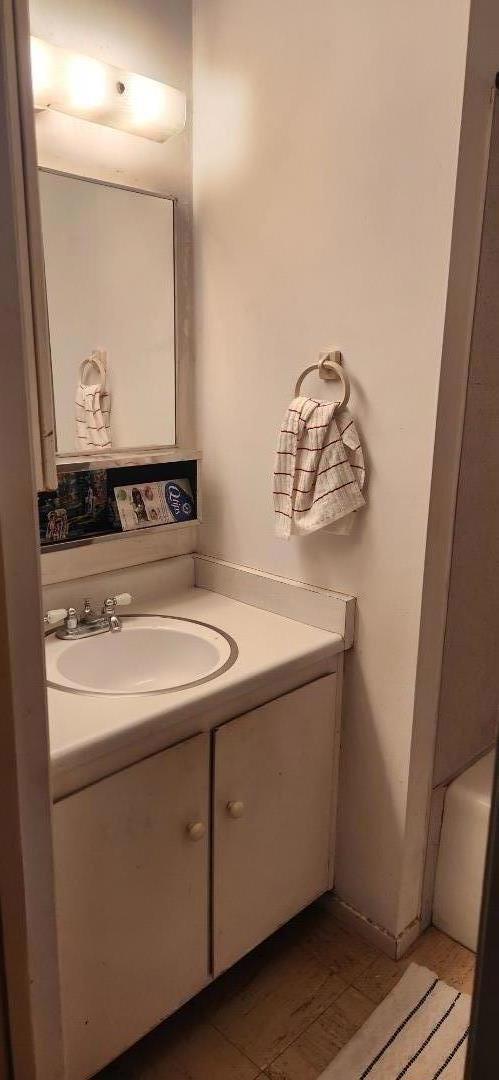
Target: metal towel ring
column 329, row 367
column 94, row 360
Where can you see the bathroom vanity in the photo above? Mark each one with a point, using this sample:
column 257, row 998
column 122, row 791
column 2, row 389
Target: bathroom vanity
column 188, row 825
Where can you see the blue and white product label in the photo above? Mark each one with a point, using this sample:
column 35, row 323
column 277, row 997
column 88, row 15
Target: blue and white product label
column 179, row 501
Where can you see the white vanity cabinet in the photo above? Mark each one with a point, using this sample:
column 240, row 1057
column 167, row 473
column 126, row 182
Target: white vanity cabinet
column 198, row 852
column 132, row 881
column 273, row 819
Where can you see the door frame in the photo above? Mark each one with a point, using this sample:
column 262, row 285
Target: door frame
column 27, row 902
column 483, row 1046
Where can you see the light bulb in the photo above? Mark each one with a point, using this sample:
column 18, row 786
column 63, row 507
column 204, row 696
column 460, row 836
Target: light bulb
column 41, row 71
column 146, row 99
column 88, row 89
column 153, row 106
column 87, row 82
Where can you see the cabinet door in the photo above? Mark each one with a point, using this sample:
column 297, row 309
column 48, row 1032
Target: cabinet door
column 273, row 799
column 132, row 901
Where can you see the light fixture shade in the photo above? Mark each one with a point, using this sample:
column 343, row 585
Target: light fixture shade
column 92, row 90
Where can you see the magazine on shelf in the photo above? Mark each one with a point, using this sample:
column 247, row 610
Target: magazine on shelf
column 163, row 502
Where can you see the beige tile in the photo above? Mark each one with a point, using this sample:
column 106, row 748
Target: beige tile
column 468, row 983
column 238, row 977
column 343, row 952
column 450, row 961
column 184, row 1048
column 434, row 950
column 345, row 1016
column 380, row 978
column 309, row 1055
column 303, row 1060
column 286, row 1008
column 288, row 988
column 233, row 982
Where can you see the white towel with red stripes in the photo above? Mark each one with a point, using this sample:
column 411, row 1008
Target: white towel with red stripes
column 319, row 471
column 93, row 405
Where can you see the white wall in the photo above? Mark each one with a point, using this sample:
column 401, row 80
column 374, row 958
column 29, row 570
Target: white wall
column 326, row 150
column 153, row 38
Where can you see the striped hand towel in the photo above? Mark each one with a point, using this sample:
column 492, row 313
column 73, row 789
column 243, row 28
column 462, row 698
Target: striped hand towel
column 93, row 406
column 319, row 472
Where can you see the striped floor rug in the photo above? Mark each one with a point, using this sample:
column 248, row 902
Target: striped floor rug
column 419, row 1032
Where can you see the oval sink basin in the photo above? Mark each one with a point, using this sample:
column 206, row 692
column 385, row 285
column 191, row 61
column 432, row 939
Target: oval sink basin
column 151, row 654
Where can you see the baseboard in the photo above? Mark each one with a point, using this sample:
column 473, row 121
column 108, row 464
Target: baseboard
column 408, row 937
column 309, row 604
column 378, row 936
column 432, row 847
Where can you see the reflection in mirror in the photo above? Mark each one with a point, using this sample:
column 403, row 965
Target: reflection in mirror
column 109, row 266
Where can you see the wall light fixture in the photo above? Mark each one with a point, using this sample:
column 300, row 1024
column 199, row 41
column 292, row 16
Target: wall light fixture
column 86, row 88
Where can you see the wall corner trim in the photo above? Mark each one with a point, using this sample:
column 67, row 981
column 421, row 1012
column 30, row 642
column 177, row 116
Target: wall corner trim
column 378, row 936
column 309, row 604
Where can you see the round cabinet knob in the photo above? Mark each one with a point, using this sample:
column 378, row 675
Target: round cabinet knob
column 235, row 809
column 196, row 830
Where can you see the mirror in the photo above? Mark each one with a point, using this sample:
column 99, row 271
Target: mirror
column 110, row 279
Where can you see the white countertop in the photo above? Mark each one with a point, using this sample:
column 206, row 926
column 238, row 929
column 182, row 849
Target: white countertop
column 93, row 735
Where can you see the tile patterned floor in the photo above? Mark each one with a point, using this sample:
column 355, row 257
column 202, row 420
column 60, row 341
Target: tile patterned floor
column 284, row 1012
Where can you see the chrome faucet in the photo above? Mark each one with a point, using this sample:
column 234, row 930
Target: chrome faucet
column 89, row 624
column 109, row 613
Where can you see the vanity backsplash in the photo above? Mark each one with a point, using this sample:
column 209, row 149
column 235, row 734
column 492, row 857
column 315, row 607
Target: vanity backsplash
column 105, row 502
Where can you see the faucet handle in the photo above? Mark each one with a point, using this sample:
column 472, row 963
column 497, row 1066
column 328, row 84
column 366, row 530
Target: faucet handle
column 112, row 602
column 122, row 599
column 55, row 615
